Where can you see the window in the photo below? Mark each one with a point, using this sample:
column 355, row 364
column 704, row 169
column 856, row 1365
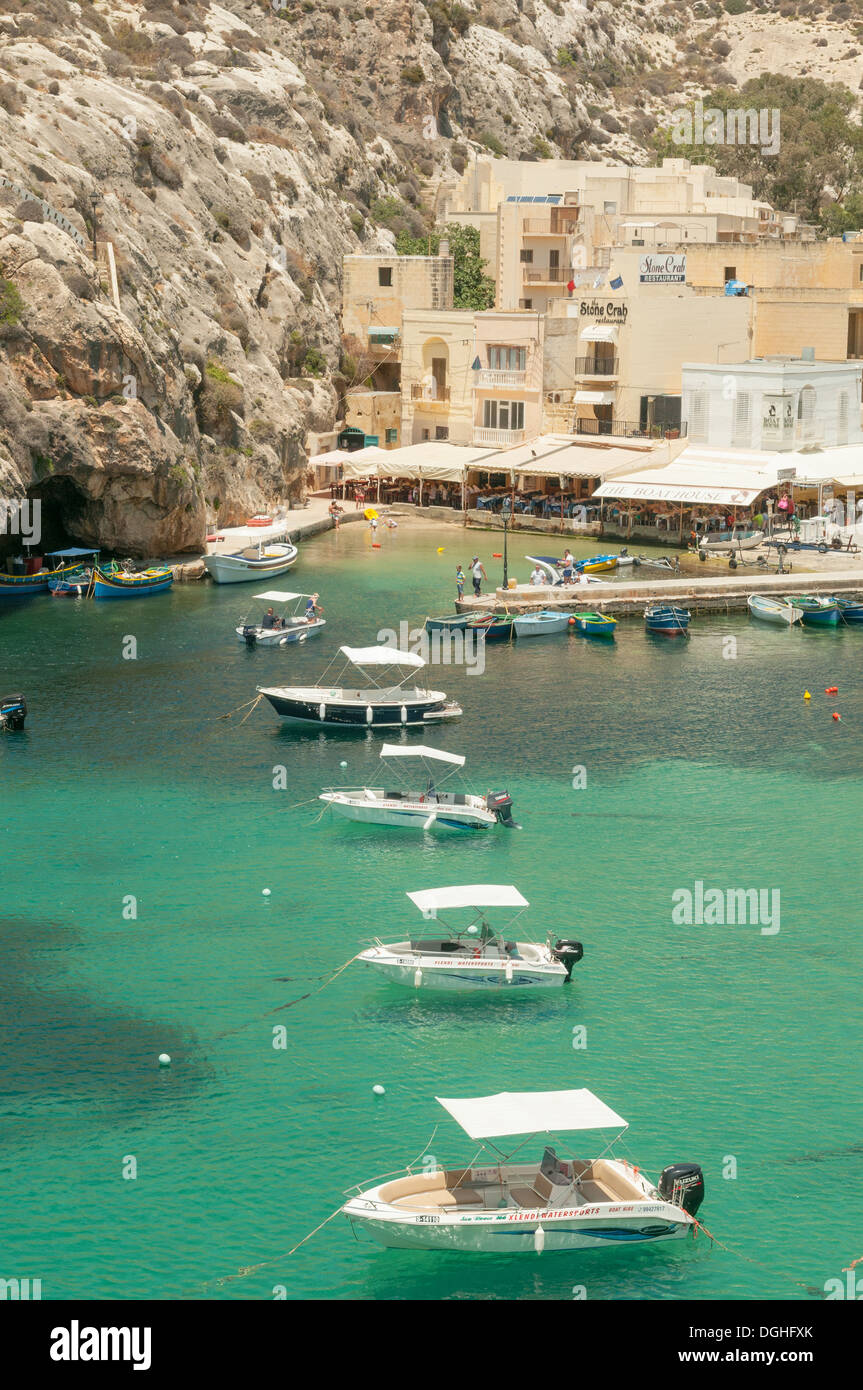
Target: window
column 426, row 434
column 843, row 417
column 507, row 359
column 609, row 209
column 526, row 257
column 441, row 432
column 385, row 275
column 700, row 417
column 860, row 273
column 806, row 411
column 525, row 304
column 730, row 273
column 742, row 436
column 503, row 415
column 392, row 436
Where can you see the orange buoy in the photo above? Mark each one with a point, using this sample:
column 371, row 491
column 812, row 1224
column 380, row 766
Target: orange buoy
column 835, row 715
column 832, row 690
column 376, row 545
column 497, row 555
column 572, row 622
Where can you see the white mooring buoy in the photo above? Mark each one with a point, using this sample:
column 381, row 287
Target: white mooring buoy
column 265, row 892
column 379, row 1090
column 164, row 1059
column 342, row 764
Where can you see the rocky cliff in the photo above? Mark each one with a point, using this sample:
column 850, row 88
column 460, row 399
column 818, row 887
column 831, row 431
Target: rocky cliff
column 231, row 155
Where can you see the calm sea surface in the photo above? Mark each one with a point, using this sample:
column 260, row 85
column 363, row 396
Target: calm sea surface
column 720, row 1044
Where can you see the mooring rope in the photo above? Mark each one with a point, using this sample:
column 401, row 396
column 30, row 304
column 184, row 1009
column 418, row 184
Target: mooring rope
column 333, row 975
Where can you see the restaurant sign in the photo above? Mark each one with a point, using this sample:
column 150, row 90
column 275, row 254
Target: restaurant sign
column 662, row 270
column 777, row 421
column 611, row 310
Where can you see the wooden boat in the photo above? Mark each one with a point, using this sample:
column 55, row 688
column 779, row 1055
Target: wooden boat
column 850, row 609
column 499, row 627
column 77, row 566
column 24, row 585
column 286, row 628
column 122, row 584
column 511, row 1202
column 594, row 624
column 667, row 619
column 263, row 561
column 457, row 622
column 773, row 610
column 540, row 624
column 816, row 611
column 13, row 712
column 379, row 706
column 732, row 543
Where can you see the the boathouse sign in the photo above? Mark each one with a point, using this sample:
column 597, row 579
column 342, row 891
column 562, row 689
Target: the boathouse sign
column 662, row 270
column 48, row 212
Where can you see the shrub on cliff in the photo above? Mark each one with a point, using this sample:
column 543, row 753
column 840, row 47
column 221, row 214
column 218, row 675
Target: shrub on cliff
column 219, row 397
column 11, row 305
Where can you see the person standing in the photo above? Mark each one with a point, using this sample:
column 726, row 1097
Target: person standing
column 459, row 582
column 478, row 574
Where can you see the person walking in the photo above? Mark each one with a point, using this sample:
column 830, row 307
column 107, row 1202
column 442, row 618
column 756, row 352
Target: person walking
column 478, row 574
column 459, row 582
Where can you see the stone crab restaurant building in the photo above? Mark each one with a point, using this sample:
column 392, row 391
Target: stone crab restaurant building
column 614, row 350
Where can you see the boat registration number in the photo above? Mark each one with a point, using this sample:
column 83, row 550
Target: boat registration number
column 428, row 1220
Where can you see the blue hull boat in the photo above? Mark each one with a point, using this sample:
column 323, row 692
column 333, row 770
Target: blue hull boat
column 850, row 611
column 667, row 620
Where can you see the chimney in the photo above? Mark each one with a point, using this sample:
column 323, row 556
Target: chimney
column 443, row 247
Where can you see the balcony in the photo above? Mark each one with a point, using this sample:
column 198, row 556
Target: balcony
column 630, row 429
column 499, row 439
column 548, row 274
column 492, row 377
column 595, row 366
column 431, row 397
column 551, row 226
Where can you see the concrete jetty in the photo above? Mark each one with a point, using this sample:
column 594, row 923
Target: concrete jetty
column 709, row 595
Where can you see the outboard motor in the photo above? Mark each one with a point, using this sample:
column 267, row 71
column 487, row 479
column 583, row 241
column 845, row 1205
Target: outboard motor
column 13, row 711
column 501, row 804
column 682, row 1184
column 569, row 953
column 250, row 636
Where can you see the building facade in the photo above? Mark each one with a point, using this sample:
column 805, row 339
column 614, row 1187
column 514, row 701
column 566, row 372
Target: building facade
column 777, row 404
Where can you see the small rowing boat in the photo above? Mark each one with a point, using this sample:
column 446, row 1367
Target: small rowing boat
column 666, row 619
column 540, row 624
column 816, row 611
column 850, row 609
column 773, row 610
column 594, row 624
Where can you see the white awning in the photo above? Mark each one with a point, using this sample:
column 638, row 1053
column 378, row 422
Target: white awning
column 531, row 1112
column 280, row 596
column 379, row 330
column 471, row 895
column 599, row 333
column 594, row 398
column 381, row 656
column 395, row 750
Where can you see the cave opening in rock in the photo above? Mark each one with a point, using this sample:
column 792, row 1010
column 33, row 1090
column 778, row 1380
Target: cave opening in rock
column 62, row 513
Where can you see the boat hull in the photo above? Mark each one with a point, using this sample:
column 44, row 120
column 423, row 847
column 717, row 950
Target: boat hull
column 282, row 636
column 130, row 586
column 447, row 974
column 360, row 715
column 851, row 613
column 667, row 621
column 820, row 617
column 595, row 625
column 409, row 817
column 769, row 610
column 540, row 625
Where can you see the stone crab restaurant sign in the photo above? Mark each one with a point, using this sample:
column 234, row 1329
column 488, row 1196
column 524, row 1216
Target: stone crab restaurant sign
column 610, row 310
column 662, row 270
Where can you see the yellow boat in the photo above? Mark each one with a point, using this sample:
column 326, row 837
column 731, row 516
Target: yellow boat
column 597, row 563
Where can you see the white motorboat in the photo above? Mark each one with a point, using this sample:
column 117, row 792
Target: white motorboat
column 429, row 810
column 265, row 560
column 361, row 707
column 279, row 629
column 525, row 1207
column 475, row 956
column 731, row 545
column 773, row 610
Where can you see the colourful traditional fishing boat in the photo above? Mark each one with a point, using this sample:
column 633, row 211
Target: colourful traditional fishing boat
column 124, row 585
column 850, row 609
column 594, row 624
column 666, row 620
column 24, row 585
column 76, row 576
column 816, row 611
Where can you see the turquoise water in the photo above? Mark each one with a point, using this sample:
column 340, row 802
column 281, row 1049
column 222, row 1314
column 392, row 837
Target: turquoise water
column 716, row 1042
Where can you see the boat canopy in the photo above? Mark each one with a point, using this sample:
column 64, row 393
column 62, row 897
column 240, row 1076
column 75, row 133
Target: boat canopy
column 279, row 596
column 471, row 895
column 74, row 552
column 381, row 656
column 395, row 750
column 531, row 1112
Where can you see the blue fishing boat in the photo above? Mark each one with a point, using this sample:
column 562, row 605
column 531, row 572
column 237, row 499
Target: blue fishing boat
column 816, row 611
column 594, row 624
column 667, row 620
column 124, row 585
column 76, row 566
column 850, row 609
column 24, row 585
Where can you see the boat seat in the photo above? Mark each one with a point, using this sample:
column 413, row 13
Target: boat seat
column 539, row 1195
column 441, row 1197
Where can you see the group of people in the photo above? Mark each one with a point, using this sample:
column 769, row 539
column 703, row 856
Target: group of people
column 477, row 574
column 272, row 622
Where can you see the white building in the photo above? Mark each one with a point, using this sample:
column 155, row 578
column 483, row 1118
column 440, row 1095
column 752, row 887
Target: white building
column 775, row 404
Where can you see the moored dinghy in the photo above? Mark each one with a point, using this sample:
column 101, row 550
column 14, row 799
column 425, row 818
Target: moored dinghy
column 667, row 620
column 594, row 624
column 850, row 609
column 540, row 624
column 378, row 706
column 816, row 611
column 475, row 956
column 503, row 1207
column 427, row 810
column 773, row 610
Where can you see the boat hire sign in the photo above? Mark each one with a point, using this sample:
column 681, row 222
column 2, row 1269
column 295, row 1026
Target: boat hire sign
column 662, row 270
column 777, row 421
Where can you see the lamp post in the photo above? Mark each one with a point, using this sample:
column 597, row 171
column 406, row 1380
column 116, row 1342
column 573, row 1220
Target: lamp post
column 506, row 512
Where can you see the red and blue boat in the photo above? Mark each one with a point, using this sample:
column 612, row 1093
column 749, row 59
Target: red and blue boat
column 666, row 619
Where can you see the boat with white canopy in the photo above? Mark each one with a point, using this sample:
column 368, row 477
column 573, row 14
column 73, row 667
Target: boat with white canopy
column 358, row 706
column 277, row 630
column 430, row 809
column 475, row 955
column 499, row 1206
